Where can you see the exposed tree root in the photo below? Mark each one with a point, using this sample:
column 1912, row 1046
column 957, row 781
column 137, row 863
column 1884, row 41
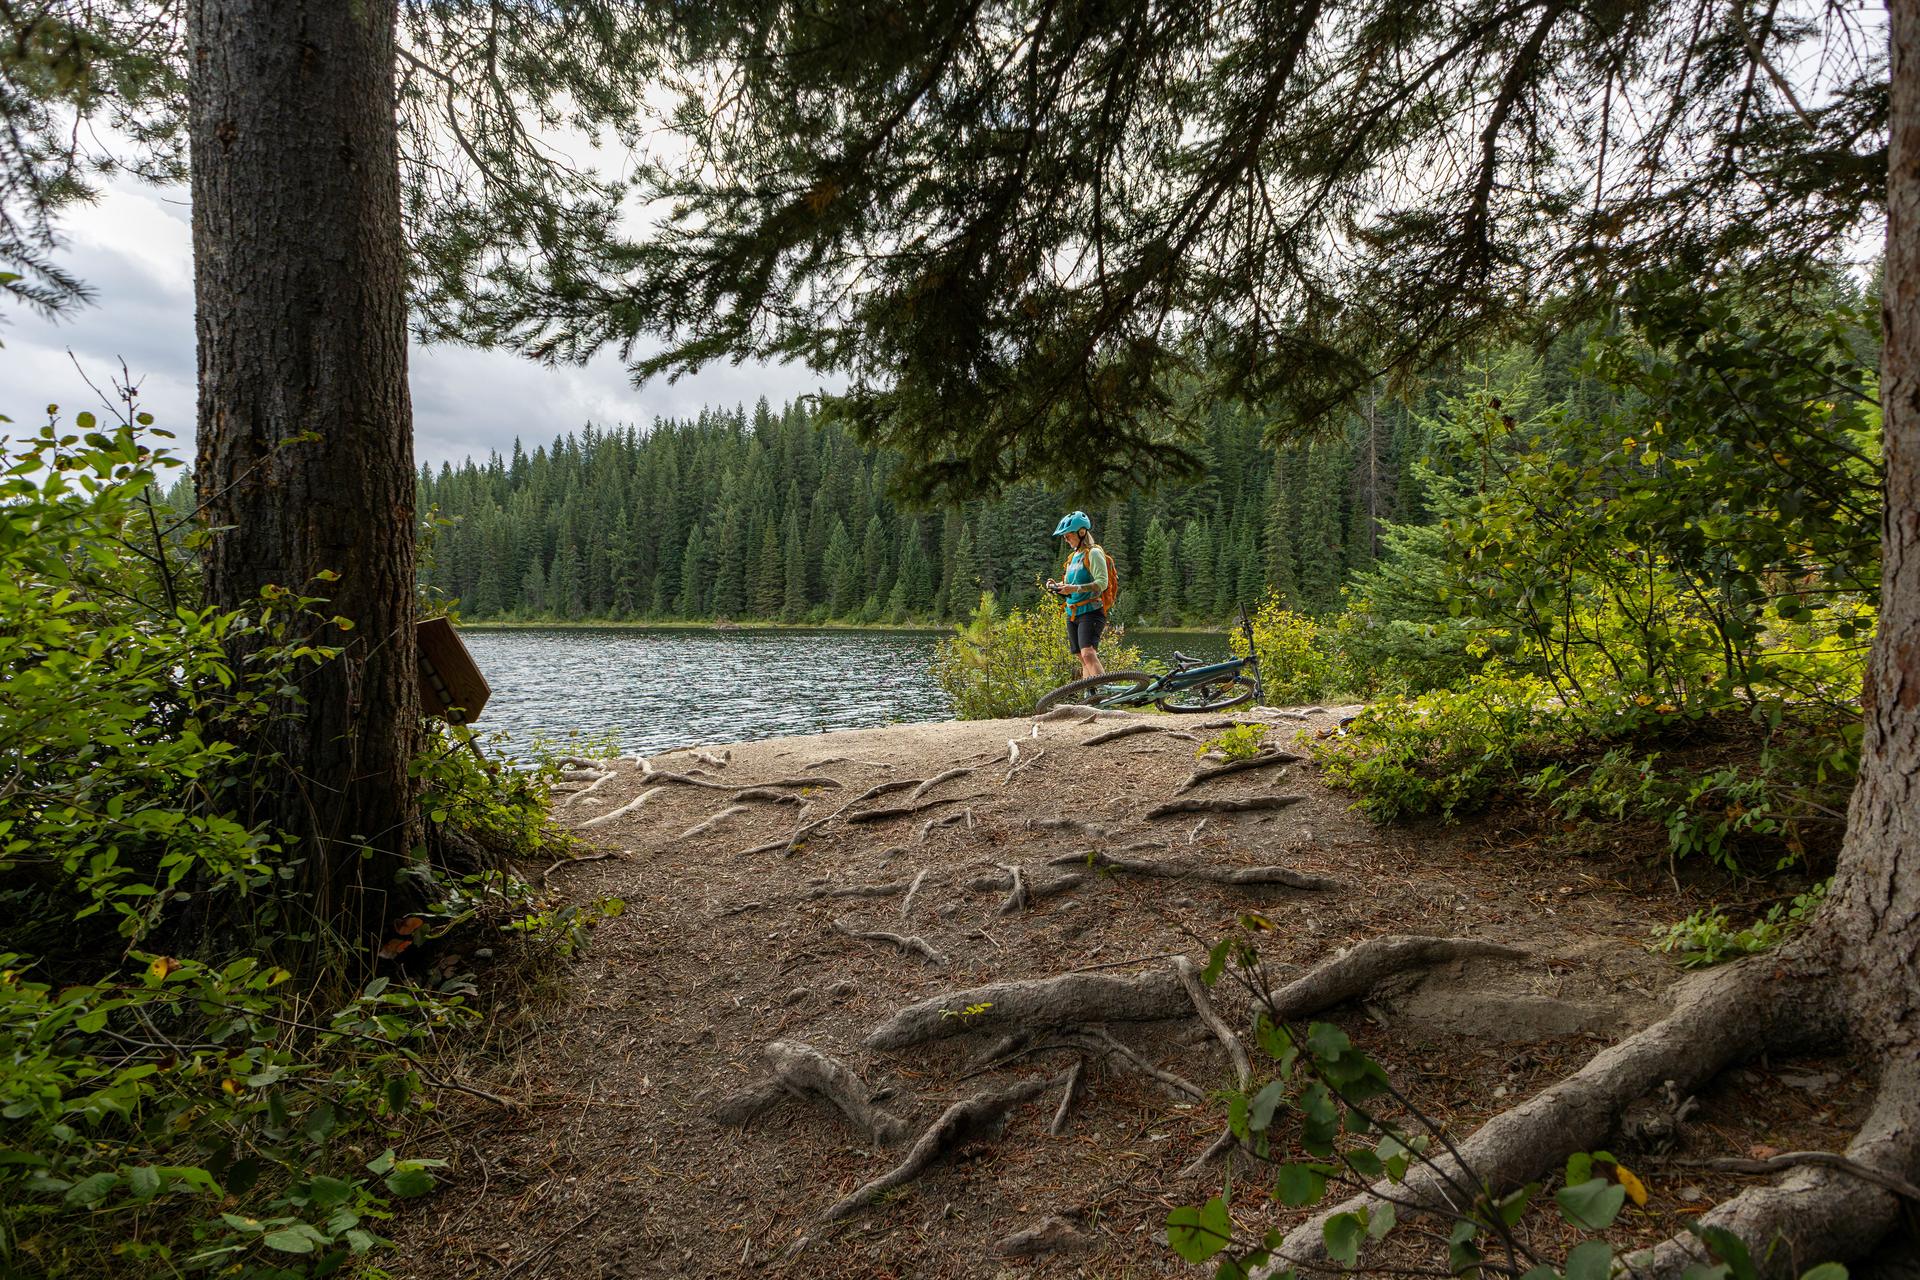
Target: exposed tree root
column 803, row 828
column 1248, row 804
column 600, row 780
column 1021, row 766
column 1173, row 869
column 1730, row 1014
column 824, row 761
column 1802, row 1159
column 886, row 890
column 1076, row 1075
column 1091, row 830
column 651, row 774
column 905, row 810
column 767, row 795
column 1172, row 1080
column 718, row 759
column 921, row 832
column 981, row 1116
column 624, row 809
column 1265, row 760
column 1129, row 730
column 1203, row 1006
column 731, row 811
column 905, row 942
column 949, row 775
column 1830, row 1208
column 1074, row 999
column 1017, row 895
column 1081, row 713
column 1036, row 886
column 801, row 1071
column 913, row 891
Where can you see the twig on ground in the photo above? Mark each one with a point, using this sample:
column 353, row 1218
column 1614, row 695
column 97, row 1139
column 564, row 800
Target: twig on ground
column 562, row 862
column 1022, row 766
column 913, row 891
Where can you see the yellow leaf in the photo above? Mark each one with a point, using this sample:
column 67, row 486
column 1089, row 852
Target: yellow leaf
column 230, row 1085
column 1636, row 1189
column 162, row 966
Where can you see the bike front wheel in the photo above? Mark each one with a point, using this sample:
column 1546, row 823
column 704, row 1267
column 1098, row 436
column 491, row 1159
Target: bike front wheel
column 1209, row 695
column 1094, row 691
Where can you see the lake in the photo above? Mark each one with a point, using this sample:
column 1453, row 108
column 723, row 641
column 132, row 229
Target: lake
column 655, row 689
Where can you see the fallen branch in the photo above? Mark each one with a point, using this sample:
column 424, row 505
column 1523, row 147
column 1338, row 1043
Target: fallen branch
column 1076, row 1074
column 801, row 1071
column 1265, row 760
column 701, row 828
column 1169, row 869
column 624, row 809
column 904, row 942
column 1247, row 805
column 981, row 1116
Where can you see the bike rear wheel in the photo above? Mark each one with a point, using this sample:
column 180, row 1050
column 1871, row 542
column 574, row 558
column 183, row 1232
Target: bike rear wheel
column 1095, row 690
column 1210, row 695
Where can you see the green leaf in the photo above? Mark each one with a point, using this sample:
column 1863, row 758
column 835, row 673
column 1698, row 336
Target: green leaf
column 1590, row 1261
column 143, row 1181
column 1196, row 1234
column 1579, row 1168
column 1265, row 1103
column 1381, row 1221
column 1825, row 1271
column 1216, row 961
column 1327, row 1042
column 410, row 1180
column 1593, row 1204
column 1343, row 1235
column 298, row 1238
column 92, row 1189
column 1298, row 1184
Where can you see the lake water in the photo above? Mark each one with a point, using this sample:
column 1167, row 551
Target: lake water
column 652, row 689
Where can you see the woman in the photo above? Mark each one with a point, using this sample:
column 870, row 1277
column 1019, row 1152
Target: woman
column 1083, row 587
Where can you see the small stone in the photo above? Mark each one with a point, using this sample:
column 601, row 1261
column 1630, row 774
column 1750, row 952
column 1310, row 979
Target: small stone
column 483, row 953
column 844, row 988
column 796, row 995
column 1691, row 1193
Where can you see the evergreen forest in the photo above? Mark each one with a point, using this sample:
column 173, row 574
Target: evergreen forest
column 773, row 515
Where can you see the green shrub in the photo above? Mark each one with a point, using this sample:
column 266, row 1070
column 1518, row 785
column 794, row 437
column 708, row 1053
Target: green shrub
column 1242, row 742
column 1442, row 753
column 161, row 1112
column 1707, row 938
column 1000, row 662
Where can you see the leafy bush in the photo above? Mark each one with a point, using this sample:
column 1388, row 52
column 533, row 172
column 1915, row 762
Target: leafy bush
column 1707, row 938
column 1242, row 742
column 161, row 1113
column 1000, row 662
column 1444, row 752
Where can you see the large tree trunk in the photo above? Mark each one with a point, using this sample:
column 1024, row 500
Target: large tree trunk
column 305, row 453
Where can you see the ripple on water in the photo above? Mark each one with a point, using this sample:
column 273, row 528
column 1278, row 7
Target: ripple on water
column 651, row 690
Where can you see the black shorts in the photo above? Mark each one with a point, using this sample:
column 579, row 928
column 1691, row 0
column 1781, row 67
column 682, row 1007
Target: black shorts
column 1084, row 631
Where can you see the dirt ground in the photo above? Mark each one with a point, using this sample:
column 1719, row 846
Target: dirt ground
column 612, row 1164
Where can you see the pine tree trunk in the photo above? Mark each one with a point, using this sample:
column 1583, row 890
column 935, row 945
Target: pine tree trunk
column 1876, row 895
column 305, row 454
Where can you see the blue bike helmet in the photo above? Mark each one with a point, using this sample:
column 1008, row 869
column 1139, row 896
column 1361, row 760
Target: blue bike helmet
column 1071, row 521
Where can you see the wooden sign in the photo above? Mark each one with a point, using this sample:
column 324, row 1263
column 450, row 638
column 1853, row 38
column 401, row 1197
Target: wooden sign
column 451, row 685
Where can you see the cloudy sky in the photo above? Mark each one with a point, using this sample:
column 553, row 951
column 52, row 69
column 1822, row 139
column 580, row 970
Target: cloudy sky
column 134, row 246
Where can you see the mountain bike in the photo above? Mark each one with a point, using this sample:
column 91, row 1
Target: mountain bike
column 1193, row 685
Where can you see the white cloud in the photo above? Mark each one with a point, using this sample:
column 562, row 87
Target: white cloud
column 134, row 248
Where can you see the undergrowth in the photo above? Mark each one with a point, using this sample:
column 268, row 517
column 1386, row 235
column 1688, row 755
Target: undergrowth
column 1000, row 662
column 174, row 1100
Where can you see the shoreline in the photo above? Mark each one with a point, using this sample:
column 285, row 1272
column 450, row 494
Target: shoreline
column 897, row 628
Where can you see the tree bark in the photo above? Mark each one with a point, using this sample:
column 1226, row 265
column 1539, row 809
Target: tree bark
column 305, row 452
column 1874, row 912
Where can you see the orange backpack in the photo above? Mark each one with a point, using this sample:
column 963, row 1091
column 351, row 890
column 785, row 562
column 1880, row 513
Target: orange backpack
column 1113, row 579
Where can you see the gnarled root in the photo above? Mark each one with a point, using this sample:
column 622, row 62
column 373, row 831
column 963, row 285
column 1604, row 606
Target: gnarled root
column 1176, row 870
column 1265, row 760
column 801, row 1071
column 624, row 809
column 981, row 1116
column 905, row 942
column 1819, row 1214
column 1249, row 804
column 1729, row 1015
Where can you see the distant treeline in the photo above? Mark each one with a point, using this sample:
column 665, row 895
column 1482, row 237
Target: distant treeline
column 770, row 515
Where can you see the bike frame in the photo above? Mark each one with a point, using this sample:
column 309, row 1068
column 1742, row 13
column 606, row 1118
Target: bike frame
column 1186, row 677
